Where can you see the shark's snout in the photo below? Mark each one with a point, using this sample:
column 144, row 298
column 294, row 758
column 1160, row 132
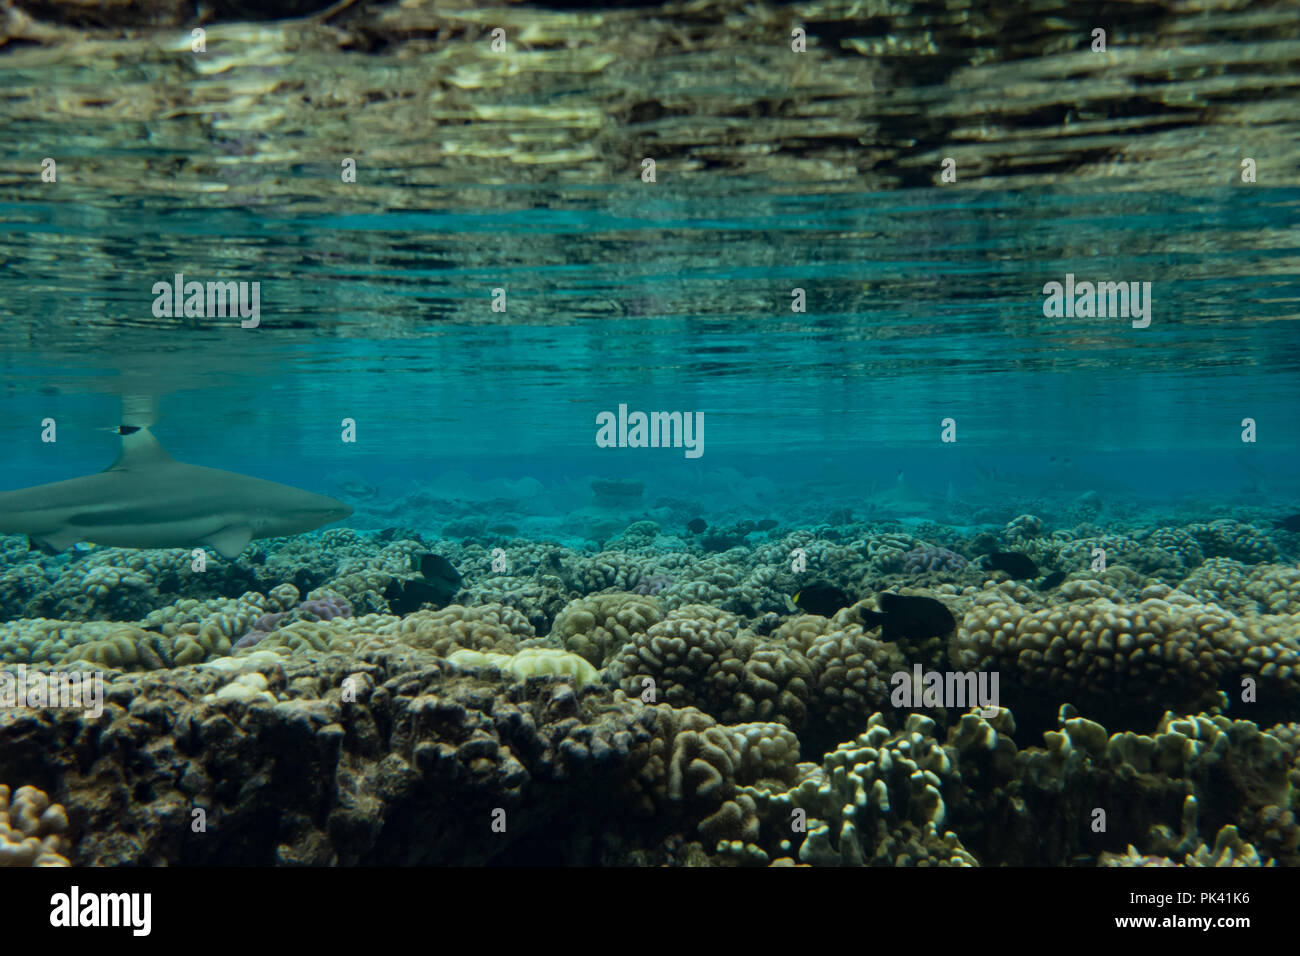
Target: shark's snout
column 329, row 509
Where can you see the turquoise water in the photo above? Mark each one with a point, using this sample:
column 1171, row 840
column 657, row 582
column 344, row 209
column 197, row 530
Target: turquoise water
column 921, row 306
column 918, row 420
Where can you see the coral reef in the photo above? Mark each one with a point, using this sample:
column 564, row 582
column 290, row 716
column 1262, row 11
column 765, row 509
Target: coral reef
column 651, row 700
column 31, row 829
column 598, row 626
column 321, row 605
column 928, row 557
column 1131, row 661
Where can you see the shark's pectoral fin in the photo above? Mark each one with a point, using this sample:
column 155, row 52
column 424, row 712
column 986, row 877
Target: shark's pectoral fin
column 53, row 543
column 228, row 542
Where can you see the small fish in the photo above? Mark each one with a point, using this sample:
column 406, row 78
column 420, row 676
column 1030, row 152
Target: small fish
column 909, row 616
column 1051, row 581
column 1289, row 523
column 80, row 550
column 697, row 526
column 1015, row 565
column 823, row 599
column 767, row 524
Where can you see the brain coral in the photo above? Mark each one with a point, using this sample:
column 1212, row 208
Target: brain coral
column 597, row 627
column 490, row 627
column 1121, row 659
column 820, row 677
column 700, row 656
column 1232, row 539
column 1219, row 581
column 693, row 767
column 1182, row 544
column 1275, row 588
column 929, row 557
column 31, row 829
column 106, row 643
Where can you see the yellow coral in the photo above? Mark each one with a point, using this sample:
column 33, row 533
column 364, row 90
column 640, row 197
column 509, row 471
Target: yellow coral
column 531, row 662
column 542, row 661
column 32, row 829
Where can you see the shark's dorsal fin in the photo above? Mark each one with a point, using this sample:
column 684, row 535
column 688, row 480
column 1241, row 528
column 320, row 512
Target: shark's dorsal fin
column 139, row 450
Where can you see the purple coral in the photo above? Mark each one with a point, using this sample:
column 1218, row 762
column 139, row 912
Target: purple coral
column 264, row 626
column 929, row 557
column 652, row 584
column 269, row 622
column 324, row 608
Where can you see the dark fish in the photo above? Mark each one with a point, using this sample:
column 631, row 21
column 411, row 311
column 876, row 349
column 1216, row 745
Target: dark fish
column 767, row 524
column 721, row 542
column 441, row 576
column 1051, row 581
column 1015, row 565
column 1289, row 523
column 404, row 596
column 823, row 599
column 697, row 526
column 909, row 616
column 305, row 580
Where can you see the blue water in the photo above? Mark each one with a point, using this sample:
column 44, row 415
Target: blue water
column 920, row 416
column 920, row 307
